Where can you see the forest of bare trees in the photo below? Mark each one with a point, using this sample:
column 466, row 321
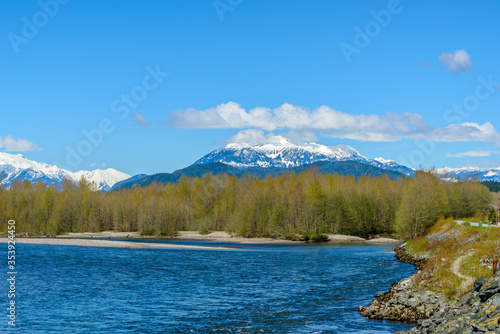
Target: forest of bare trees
column 307, row 204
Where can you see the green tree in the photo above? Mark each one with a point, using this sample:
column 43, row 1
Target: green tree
column 424, row 200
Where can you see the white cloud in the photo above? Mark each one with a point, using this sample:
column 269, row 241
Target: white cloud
column 224, row 116
column 17, row 145
column 258, row 136
column 463, row 132
column 300, row 124
column 140, row 120
column 473, row 153
column 251, row 137
column 457, row 62
column 300, row 137
column 387, row 127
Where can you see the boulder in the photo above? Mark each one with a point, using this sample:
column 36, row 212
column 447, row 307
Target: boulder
column 476, row 312
column 479, row 283
column 490, row 288
column 404, row 302
column 469, row 299
column 495, row 299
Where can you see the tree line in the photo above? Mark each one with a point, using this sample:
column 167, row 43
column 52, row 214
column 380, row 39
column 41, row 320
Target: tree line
column 308, row 204
column 493, row 186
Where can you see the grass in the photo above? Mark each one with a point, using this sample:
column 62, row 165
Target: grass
column 443, row 225
column 471, row 267
column 444, row 243
column 418, row 245
column 446, row 281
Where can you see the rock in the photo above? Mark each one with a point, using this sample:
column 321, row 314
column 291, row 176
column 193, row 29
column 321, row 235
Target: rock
column 481, row 317
column 495, row 299
column 479, row 283
column 476, row 312
column 465, row 299
column 428, row 323
column 490, row 288
column 404, row 302
column 479, row 328
column 469, row 299
column 403, row 256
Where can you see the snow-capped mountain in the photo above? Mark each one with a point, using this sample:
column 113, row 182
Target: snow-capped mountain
column 465, row 173
column 17, row 167
column 104, row 179
column 280, row 152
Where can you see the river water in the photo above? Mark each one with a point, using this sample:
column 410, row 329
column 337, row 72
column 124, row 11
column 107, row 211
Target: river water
column 251, row 289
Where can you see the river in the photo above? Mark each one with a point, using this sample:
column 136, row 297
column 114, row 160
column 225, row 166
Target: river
column 251, row 289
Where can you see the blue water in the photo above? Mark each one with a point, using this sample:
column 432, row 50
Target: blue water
column 251, row 289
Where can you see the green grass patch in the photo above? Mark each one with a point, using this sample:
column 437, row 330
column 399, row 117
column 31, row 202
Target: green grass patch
column 446, row 281
column 418, row 245
column 450, row 241
column 471, row 266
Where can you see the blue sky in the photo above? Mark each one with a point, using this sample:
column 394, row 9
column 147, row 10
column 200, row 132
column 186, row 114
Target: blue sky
column 151, row 86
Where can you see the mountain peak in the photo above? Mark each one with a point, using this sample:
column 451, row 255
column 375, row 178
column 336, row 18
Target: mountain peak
column 14, row 167
column 280, row 152
column 237, row 146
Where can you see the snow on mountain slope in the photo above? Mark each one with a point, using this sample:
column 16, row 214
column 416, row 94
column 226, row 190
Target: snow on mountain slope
column 279, row 152
column 17, row 167
column 464, row 173
column 103, row 179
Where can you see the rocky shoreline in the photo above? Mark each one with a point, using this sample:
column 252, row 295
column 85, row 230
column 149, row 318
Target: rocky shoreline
column 403, row 256
column 405, row 301
column 476, row 312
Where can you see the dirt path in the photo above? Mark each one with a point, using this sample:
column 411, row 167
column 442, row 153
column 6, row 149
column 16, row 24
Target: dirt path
column 455, row 267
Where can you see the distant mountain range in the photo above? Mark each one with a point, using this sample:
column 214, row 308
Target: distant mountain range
column 18, row 168
column 274, row 158
column 353, row 168
column 476, row 173
column 283, row 154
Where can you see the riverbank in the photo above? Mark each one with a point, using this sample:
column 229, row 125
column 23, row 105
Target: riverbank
column 405, row 301
column 476, row 312
column 218, row 236
column 91, row 242
column 444, row 296
column 231, row 237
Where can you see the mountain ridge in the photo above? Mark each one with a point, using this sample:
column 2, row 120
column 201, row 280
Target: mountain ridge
column 280, row 152
column 353, row 168
column 464, row 173
column 275, row 157
column 16, row 167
